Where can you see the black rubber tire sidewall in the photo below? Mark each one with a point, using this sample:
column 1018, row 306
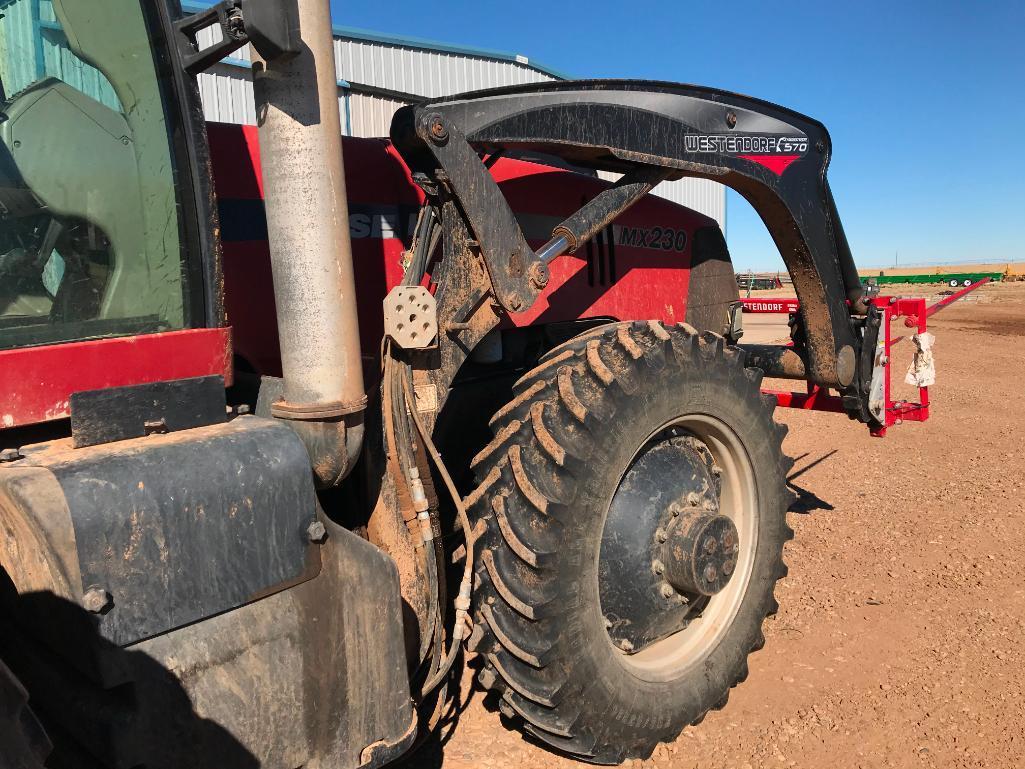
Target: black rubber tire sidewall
column 23, row 742
column 600, row 710
column 617, row 697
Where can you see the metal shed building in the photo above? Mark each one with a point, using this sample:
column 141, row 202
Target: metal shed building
column 377, row 73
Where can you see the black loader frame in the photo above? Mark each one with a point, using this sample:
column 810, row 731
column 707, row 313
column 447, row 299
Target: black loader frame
column 652, row 131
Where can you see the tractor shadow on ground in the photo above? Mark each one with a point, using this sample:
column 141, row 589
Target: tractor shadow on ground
column 430, row 752
column 806, row 502
column 93, row 696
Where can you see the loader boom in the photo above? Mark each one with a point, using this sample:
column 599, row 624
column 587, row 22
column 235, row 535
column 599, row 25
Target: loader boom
column 774, row 157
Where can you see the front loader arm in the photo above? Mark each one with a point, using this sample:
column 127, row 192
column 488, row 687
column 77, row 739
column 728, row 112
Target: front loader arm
column 649, row 131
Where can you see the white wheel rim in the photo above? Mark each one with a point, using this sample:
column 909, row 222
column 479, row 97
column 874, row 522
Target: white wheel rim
column 680, row 652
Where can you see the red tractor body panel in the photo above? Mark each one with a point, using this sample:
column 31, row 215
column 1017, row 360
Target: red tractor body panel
column 637, row 268
column 38, row 382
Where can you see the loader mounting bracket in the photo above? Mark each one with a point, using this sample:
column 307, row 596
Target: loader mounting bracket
column 501, row 241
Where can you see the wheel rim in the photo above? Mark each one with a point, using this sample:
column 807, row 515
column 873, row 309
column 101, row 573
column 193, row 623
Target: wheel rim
column 710, row 617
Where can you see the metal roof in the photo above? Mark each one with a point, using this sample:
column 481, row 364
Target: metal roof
column 418, row 43
column 377, row 73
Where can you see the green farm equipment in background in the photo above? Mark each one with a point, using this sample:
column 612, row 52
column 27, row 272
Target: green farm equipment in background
column 950, row 278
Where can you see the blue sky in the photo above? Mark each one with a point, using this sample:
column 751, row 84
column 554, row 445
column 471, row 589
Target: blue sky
column 925, row 101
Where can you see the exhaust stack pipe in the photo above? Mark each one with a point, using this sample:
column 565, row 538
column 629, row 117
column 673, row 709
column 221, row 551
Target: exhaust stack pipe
column 311, row 257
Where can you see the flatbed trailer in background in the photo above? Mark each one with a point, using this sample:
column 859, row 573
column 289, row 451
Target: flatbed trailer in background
column 747, row 280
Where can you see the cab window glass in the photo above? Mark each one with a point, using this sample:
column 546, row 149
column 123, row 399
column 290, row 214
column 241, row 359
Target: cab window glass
column 90, row 242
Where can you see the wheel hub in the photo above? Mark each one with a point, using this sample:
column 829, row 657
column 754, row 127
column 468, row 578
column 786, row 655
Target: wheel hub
column 701, row 553
column 665, row 547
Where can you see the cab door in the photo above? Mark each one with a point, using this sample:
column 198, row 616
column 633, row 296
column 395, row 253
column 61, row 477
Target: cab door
column 106, row 229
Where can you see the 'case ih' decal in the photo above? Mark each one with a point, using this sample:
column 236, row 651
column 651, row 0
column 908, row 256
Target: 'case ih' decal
column 774, row 152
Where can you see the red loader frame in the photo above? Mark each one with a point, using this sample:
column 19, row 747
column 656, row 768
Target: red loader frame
column 915, row 314
column 819, row 398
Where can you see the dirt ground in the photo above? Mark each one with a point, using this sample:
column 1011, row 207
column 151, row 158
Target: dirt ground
column 898, row 642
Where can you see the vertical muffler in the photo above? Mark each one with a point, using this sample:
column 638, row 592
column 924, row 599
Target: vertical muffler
column 323, row 397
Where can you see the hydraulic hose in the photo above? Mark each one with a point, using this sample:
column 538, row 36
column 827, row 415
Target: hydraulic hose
column 426, row 233
column 425, row 240
column 393, row 377
column 398, row 381
column 462, row 602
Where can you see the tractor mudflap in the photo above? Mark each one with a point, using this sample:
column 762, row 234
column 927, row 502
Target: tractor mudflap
column 311, row 676
column 307, row 672
column 315, row 675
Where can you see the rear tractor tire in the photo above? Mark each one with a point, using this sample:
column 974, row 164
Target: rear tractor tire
column 634, row 508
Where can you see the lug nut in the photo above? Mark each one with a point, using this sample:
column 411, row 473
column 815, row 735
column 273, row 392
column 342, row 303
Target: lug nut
column 506, row 709
column 660, row 535
column 709, row 545
column 693, row 499
column 487, row 677
column 667, row 590
column 658, row 567
column 626, row 646
column 96, row 600
column 316, row 532
column 727, row 568
column 710, row 573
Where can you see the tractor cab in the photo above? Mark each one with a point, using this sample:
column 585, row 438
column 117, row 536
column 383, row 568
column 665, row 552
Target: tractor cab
column 104, row 228
column 95, row 241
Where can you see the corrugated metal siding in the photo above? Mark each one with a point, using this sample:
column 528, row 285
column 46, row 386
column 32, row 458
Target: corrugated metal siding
column 227, row 90
column 703, row 195
column 369, row 115
column 424, row 72
column 227, row 93
column 33, row 47
column 20, row 53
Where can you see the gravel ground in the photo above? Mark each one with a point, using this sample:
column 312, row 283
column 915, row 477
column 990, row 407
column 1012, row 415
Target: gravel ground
column 897, row 642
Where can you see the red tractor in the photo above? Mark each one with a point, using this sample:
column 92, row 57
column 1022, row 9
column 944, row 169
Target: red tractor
column 247, row 518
